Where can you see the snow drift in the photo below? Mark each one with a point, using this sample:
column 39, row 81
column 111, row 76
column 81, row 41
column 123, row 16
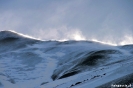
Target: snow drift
column 31, row 63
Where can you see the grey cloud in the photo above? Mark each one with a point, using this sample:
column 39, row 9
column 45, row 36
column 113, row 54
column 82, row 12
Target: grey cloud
column 102, row 20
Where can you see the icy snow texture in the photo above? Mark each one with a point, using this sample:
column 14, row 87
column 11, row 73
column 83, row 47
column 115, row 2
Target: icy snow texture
column 30, row 63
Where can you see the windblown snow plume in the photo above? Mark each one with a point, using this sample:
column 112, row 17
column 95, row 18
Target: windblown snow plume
column 31, row 63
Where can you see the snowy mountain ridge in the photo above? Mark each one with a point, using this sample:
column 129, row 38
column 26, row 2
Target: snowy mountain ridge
column 31, row 63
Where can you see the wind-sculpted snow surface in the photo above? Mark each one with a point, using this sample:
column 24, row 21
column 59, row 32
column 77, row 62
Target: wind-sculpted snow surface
column 30, row 63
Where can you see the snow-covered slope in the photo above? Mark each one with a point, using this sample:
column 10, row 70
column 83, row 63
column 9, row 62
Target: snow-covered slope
column 30, row 63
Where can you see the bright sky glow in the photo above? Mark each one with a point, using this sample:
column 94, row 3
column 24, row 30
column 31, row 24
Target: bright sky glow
column 78, row 36
column 127, row 40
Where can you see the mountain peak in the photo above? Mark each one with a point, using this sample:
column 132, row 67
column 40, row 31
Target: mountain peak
column 11, row 34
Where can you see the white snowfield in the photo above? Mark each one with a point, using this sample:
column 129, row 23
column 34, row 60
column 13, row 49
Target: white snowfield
column 31, row 63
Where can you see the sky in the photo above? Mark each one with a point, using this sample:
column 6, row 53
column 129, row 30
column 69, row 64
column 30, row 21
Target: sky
column 109, row 21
